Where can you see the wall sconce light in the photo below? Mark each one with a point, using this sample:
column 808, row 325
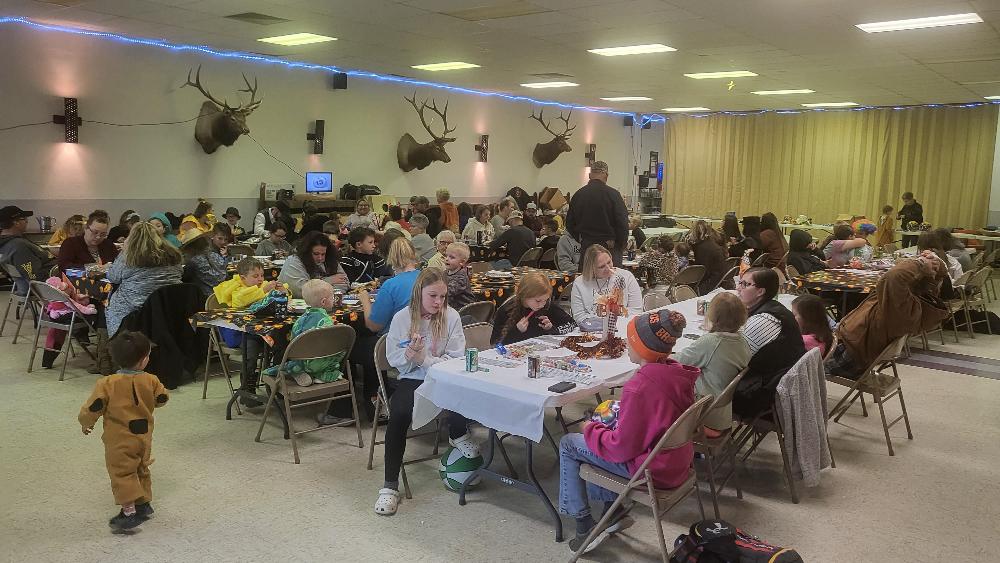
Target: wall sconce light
column 591, row 154
column 317, row 137
column 69, row 120
column 483, row 147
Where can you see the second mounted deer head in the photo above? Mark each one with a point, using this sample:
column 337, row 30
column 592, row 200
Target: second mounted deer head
column 219, row 124
column 547, row 153
column 410, row 154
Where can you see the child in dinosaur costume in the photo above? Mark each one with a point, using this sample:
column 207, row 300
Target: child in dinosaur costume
column 126, row 401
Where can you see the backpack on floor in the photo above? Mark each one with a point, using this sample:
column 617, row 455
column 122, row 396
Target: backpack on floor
column 718, row 541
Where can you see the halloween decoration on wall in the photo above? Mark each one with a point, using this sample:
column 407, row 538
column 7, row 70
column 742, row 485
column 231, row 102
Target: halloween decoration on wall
column 547, row 153
column 410, row 154
column 219, row 124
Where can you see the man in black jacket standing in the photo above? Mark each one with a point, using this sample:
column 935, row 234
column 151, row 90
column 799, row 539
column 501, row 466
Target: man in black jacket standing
column 597, row 215
column 911, row 211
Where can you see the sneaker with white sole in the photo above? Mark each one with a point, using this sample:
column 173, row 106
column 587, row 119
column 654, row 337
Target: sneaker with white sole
column 465, row 444
column 302, row 379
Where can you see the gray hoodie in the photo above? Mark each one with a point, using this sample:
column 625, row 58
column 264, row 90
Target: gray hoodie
column 31, row 260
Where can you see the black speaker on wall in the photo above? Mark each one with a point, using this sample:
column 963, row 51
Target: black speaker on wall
column 339, row 81
column 628, row 121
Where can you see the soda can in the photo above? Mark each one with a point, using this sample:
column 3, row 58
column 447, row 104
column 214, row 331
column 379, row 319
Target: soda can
column 702, row 307
column 471, row 360
column 534, row 364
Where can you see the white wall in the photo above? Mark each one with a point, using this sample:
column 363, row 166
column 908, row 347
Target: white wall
column 162, row 167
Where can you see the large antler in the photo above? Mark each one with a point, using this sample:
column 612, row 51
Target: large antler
column 252, row 90
column 206, row 93
column 567, row 133
column 433, row 107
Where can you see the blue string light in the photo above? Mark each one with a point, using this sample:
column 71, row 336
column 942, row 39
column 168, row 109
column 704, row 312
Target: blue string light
column 643, row 119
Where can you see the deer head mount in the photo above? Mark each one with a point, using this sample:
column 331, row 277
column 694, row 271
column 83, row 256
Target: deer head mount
column 410, row 154
column 218, row 123
column 547, row 153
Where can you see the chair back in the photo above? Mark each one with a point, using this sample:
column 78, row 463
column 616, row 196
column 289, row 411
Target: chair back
column 792, row 271
column 782, row 280
column 548, row 257
column 530, row 257
column 478, row 336
column 682, row 293
column 650, row 242
column 321, row 343
column 381, row 360
column 212, row 303
column 480, row 267
column 653, row 301
column 889, row 248
column 727, row 278
column 690, row 275
column 48, row 294
column 723, row 399
column 962, row 279
column 759, row 261
column 480, row 311
column 567, row 293
column 975, row 282
column 893, row 351
column 239, row 250
column 681, row 431
column 732, row 262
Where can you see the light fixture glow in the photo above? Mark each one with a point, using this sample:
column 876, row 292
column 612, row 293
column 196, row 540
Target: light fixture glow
column 830, row 105
column 632, row 50
column 682, row 110
column 780, row 92
column 549, row 84
column 297, row 39
column 724, row 74
column 454, row 65
column 991, row 97
column 627, row 99
column 920, row 23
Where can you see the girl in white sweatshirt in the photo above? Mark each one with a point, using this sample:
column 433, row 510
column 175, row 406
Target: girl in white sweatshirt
column 421, row 335
column 598, row 277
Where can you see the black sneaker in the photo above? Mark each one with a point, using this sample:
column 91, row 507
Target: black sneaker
column 123, row 522
column 575, row 543
column 144, row 510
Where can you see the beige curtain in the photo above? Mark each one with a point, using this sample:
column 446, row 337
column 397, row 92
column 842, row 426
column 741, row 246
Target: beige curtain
column 822, row 164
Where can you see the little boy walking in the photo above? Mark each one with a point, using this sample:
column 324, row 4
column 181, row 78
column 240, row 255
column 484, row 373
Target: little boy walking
column 126, row 401
column 456, row 259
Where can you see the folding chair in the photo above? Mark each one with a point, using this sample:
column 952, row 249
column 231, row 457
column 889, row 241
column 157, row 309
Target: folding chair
column 650, row 242
column 480, row 311
column 478, row 336
column 727, row 278
column 548, row 257
column 974, row 294
column 954, row 305
column 216, row 344
column 682, row 293
column 889, row 248
column 640, row 488
column 481, row 267
column 733, row 262
column 791, row 271
column 311, row 345
column 759, row 261
column 530, row 257
column 689, row 276
column 655, row 301
column 881, row 386
column 21, row 301
column 719, row 447
column 382, row 368
column 46, row 294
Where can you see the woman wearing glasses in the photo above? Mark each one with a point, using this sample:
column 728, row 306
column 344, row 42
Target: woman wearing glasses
column 92, row 247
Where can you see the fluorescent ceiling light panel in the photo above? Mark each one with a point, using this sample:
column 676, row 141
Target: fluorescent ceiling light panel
column 725, row 74
column 632, row 50
column 780, row 92
column 920, row 23
column 297, row 39
column 830, row 105
column 991, row 97
column 681, row 110
column 549, row 84
column 454, row 65
column 628, row 99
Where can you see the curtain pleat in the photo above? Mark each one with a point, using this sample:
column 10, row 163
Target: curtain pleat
column 822, row 164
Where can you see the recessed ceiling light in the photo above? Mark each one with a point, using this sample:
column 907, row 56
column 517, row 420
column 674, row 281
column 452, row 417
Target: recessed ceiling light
column 297, row 39
column 454, row 65
column 726, row 74
column 920, row 23
column 549, row 84
column 627, row 99
column 779, row 92
column 991, row 97
column 830, row 105
column 680, row 110
column 632, row 50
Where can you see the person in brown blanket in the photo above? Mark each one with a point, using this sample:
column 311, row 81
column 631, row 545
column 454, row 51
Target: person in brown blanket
column 126, row 401
column 905, row 301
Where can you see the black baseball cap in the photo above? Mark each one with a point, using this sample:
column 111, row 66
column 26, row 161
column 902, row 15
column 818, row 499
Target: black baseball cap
column 232, row 211
column 12, row 213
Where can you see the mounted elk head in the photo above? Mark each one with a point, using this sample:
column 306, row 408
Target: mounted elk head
column 547, row 153
column 219, row 124
column 410, row 154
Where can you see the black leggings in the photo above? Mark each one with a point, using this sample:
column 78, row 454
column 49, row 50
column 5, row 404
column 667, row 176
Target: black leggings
column 400, row 418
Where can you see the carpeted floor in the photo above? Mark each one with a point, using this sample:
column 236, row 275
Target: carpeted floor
column 222, row 497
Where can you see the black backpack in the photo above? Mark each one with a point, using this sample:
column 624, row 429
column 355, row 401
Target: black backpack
column 718, row 541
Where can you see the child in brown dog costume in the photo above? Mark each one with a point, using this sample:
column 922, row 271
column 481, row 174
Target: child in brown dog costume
column 126, row 401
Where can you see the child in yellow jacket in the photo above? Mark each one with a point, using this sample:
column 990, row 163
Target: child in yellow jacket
column 247, row 286
column 126, row 401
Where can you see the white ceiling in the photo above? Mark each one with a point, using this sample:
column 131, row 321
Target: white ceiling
column 789, row 43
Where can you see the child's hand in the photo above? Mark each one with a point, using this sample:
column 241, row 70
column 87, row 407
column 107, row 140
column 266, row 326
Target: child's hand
column 339, row 278
column 545, row 323
column 224, row 250
column 270, row 286
column 522, row 325
column 87, row 431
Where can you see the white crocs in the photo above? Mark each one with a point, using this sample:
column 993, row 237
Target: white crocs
column 466, row 445
column 388, row 501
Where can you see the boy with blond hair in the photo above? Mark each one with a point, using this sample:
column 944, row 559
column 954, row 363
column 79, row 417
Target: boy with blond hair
column 456, row 259
column 318, row 295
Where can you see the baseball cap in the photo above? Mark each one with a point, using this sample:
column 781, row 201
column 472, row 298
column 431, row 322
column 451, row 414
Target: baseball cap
column 599, row 166
column 12, row 213
column 515, row 215
column 531, row 206
column 232, row 211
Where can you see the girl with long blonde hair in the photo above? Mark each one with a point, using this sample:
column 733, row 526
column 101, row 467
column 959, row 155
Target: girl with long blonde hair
column 530, row 312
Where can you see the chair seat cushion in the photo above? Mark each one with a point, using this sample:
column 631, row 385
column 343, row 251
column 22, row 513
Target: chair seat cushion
column 316, row 390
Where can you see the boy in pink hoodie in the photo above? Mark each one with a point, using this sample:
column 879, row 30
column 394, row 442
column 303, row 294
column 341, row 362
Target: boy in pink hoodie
column 659, row 392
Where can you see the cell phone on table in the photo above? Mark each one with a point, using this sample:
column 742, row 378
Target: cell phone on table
column 562, row 386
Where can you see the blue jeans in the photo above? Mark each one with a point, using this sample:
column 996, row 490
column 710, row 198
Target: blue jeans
column 574, row 491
